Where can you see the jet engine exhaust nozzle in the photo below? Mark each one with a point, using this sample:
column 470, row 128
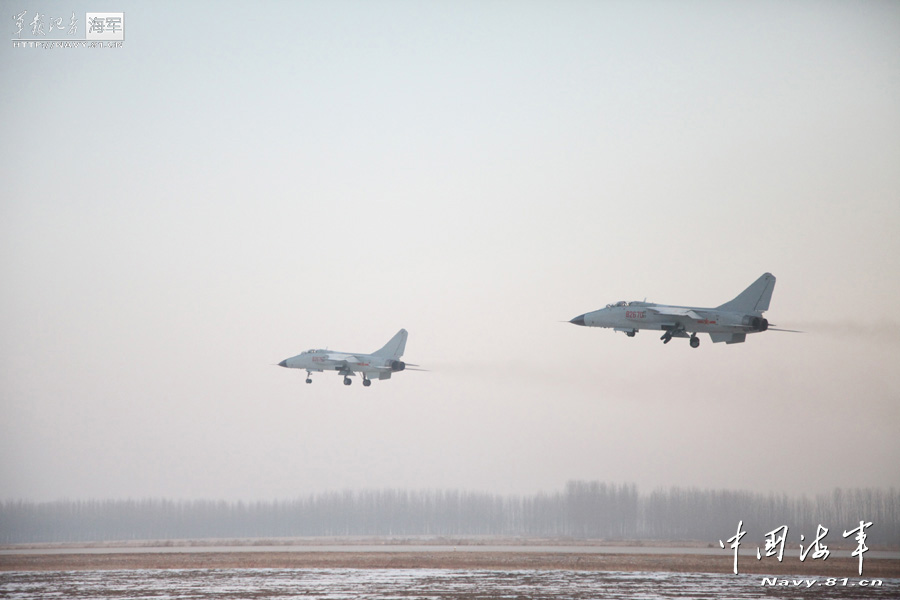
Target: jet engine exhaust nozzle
column 397, row 365
column 756, row 323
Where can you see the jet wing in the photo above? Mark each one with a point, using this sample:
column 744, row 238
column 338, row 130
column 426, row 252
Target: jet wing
column 341, row 358
column 349, row 361
column 675, row 312
column 360, row 359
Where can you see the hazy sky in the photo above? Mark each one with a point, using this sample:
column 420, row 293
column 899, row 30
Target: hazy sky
column 242, row 181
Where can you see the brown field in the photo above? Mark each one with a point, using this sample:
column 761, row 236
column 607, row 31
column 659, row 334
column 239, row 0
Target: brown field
column 501, row 560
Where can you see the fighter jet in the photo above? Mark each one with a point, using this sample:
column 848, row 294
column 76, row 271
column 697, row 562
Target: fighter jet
column 380, row 364
column 729, row 323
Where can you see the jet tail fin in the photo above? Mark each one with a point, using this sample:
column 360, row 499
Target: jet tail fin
column 755, row 298
column 394, row 348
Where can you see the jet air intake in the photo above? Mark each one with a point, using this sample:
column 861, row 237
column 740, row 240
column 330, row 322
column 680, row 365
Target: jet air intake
column 755, row 323
column 397, row 365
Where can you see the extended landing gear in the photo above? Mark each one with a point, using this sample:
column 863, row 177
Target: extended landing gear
column 308, row 377
column 367, row 382
column 347, row 381
column 666, row 337
column 695, row 341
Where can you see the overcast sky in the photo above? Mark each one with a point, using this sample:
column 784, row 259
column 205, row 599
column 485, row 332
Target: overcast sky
column 243, row 181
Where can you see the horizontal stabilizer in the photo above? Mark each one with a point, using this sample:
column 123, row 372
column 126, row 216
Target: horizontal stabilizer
column 728, row 338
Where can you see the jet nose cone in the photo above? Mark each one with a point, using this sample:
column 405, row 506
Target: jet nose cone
column 283, row 363
column 579, row 320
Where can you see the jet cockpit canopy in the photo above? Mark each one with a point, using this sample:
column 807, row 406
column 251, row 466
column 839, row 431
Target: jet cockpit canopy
column 624, row 303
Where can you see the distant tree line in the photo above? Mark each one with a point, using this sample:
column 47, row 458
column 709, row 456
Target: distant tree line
column 582, row 510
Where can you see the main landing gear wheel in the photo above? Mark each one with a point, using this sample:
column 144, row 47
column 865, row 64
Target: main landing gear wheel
column 347, row 381
column 367, row 382
column 308, row 380
column 695, row 341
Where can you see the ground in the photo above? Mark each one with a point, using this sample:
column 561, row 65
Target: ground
column 446, row 555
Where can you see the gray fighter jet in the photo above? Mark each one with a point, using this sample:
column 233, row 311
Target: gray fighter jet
column 380, row 364
column 729, row 323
